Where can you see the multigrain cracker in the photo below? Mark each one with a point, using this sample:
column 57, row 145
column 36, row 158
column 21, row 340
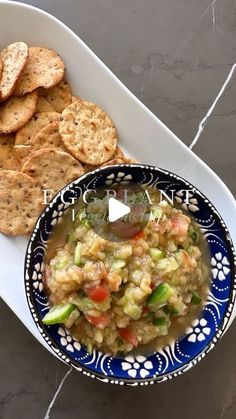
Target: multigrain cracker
column 118, row 155
column 58, row 96
column 43, row 105
column 12, row 163
column 21, row 152
column 13, row 58
column 20, row 203
column 7, row 157
column 43, row 69
column 38, row 121
column 16, row 112
column 52, row 169
column 88, row 133
column 48, row 137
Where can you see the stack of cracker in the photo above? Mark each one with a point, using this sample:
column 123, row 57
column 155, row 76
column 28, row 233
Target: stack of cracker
column 48, row 137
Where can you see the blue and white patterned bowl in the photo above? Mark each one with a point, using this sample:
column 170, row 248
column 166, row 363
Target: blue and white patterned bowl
column 199, row 339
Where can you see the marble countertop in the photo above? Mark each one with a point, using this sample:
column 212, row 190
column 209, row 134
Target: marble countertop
column 179, row 58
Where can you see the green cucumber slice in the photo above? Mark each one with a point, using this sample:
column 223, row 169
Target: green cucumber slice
column 156, row 254
column 58, row 313
column 160, row 295
column 117, row 265
column 77, row 254
column 159, row 321
column 196, row 299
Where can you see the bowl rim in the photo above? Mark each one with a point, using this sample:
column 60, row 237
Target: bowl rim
column 51, row 342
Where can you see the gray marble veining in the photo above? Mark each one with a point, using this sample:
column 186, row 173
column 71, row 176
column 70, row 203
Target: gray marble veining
column 178, row 57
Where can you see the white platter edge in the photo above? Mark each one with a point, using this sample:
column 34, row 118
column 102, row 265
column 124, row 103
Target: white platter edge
column 142, row 135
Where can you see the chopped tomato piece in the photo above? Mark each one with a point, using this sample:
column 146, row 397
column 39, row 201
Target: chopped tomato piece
column 138, row 235
column 129, row 336
column 179, row 225
column 101, row 321
column 98, row 293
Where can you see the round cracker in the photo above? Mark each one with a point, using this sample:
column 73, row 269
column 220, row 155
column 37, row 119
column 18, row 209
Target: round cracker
column 88, row 133
column 16, row 112
column 43, row 105
column 48, row 137
column 52, row 168
column 58, row 96
column 43, row 69
column 14, row 59
column 7, row 157
column 39, row 120
column 20, row 203
column 118, row 155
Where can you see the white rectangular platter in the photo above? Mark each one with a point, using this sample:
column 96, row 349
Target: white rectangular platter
column 142, row 134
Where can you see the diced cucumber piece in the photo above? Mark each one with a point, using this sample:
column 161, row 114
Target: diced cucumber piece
column 89, row 347
column 136, row 276
column 133, row 311
column 156, row 254
column 160, row 295
column 159, row 321
column 156, row 213
column 117, row 265
column 196, row 299
column 61, row 264
column 77, row 254
column 193, row 236
column 58, row 313
column 167, row 265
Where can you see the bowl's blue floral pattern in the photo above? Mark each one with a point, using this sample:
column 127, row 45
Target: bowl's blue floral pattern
column 204, row 332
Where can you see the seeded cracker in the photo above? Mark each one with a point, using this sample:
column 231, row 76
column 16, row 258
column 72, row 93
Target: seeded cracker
column 16, row 112
column 52, row 169
column 118, row 155
column 43, row 105
column 48, row 137
column 58, row 96
column 20, row 203
column 39, row 120
column 7, row 157
column 21, row 152
column 13, row 59
column 43, row 69
column 88, row 133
